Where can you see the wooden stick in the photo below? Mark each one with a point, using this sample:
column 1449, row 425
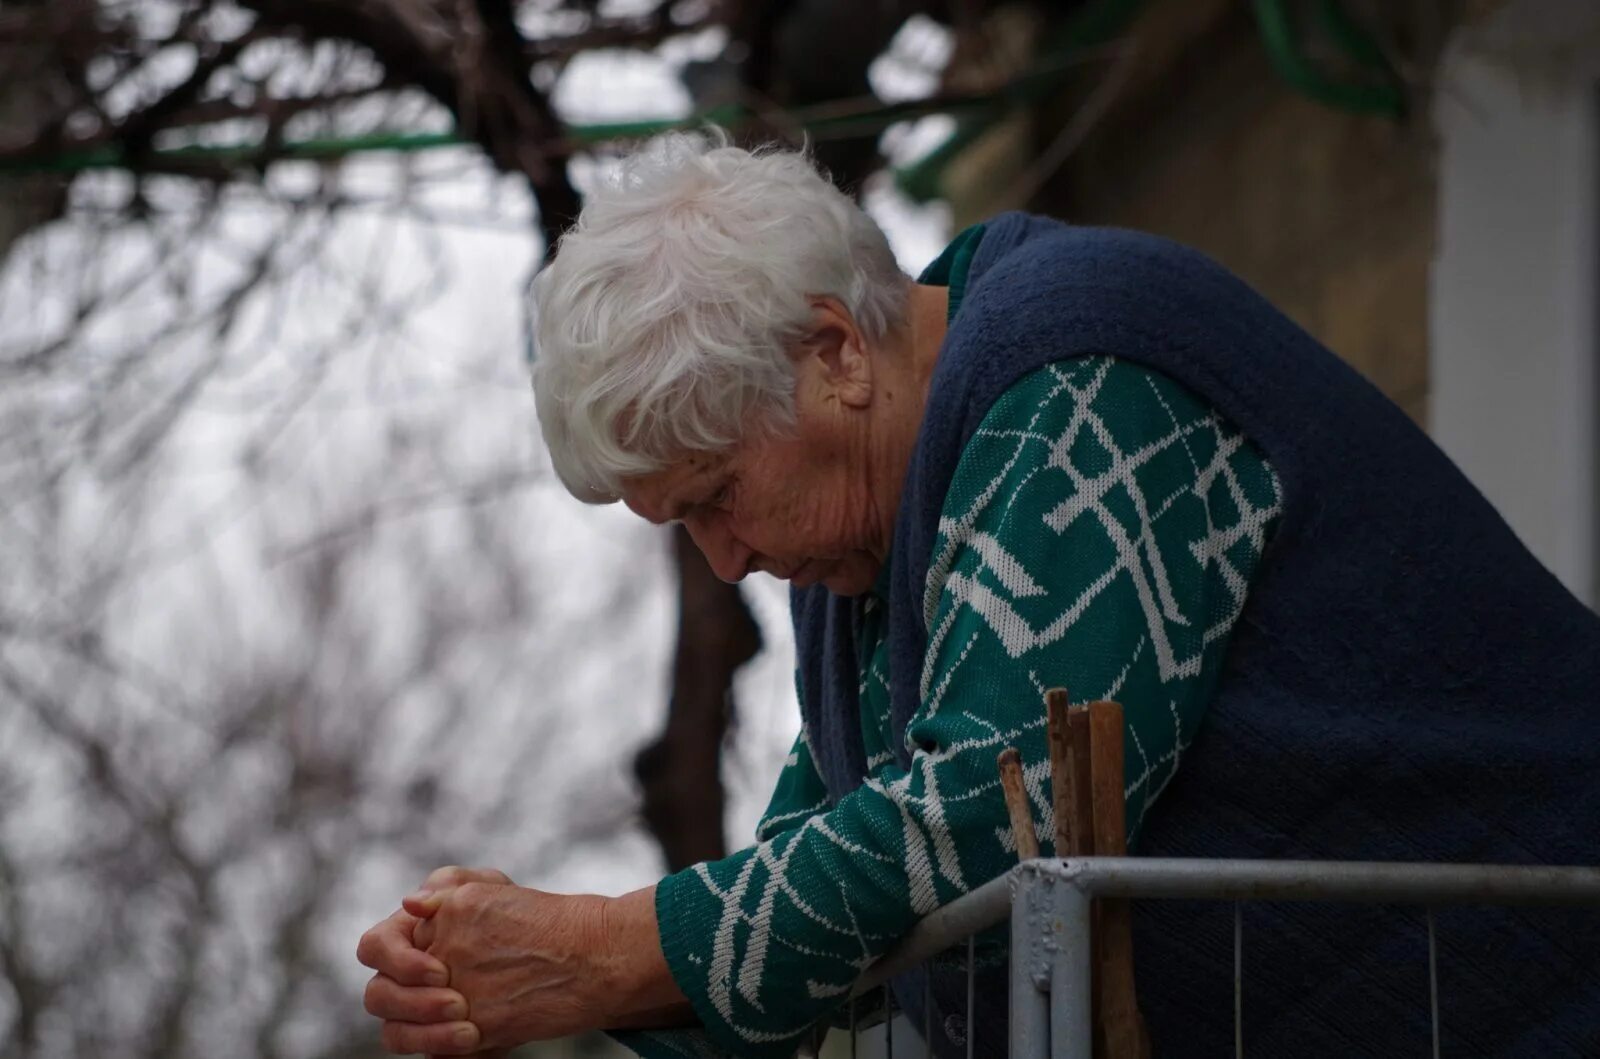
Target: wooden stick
column 1083, row 802
column 1017, row 806
column 1125, row 1036
column 1083, row 845
column 1105, row 779
column 1063, row 783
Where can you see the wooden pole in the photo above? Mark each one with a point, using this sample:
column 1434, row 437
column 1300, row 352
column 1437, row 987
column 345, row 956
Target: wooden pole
column 1078, row 742
column 1063, row 781
column 1124, row 1033
column 1083, row 836
column 1017, row 806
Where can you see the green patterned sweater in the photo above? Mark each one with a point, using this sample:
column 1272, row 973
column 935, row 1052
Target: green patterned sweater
column 1099, row 534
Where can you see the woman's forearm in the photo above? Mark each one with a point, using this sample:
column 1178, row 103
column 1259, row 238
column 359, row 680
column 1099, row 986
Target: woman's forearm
column 642, row 990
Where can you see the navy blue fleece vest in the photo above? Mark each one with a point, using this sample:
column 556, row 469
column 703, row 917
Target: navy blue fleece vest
column 1406, row 681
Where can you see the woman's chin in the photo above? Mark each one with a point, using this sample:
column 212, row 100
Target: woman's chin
column 849, row 579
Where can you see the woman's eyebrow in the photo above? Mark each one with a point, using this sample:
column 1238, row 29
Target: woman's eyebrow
column 680, row 507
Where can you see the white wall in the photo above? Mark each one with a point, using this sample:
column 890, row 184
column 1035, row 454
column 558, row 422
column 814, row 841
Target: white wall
column 1516, row 284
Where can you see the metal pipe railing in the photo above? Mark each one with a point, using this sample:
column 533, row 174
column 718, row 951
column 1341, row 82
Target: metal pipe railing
column 1369, row 882
column 1048, row 902
column 970, row 914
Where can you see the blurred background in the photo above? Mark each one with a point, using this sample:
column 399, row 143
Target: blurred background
column 292, row 610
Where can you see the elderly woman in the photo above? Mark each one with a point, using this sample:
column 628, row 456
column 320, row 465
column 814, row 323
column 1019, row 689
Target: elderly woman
column 1061, row 456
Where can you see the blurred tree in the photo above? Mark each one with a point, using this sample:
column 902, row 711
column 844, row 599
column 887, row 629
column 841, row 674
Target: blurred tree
column 34, row 84
column 127, row 77
column 136, row 79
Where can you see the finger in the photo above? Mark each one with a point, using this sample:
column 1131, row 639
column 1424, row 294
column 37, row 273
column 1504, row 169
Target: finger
column 455, row 875
column 441, row 1038
column 389, row 1000
column 423, row 936
column 388, row 949
column 425, row 902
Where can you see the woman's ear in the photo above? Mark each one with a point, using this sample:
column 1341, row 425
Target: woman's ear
column 838, row 353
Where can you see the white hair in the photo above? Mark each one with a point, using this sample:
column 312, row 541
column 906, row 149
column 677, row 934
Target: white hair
column 664, row 325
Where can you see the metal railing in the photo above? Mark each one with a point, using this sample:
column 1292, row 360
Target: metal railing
column 1048, row 903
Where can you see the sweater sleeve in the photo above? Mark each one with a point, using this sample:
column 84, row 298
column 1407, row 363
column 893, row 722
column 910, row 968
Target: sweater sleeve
column 799, row 795
column 1100, row 533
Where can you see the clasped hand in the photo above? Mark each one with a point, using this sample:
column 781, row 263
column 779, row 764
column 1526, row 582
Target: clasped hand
column 473, row 963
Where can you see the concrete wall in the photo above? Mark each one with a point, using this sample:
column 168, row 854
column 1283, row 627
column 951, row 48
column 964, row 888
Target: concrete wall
column 1330, row 215
column 1451, row 257
column 1516, row 278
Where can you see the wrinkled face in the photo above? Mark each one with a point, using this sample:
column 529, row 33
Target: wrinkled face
column 800, row 505
column 795, row 507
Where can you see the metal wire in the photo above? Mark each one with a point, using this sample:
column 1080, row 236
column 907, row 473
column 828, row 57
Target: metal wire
column 927, row 1014
column 888, row 1022
column 1238, row 980
column 1433, row 980
column 972, row 1014
column 853, row 1032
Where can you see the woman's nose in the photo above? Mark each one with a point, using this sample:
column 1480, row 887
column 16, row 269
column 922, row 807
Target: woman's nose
column 729, row 559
